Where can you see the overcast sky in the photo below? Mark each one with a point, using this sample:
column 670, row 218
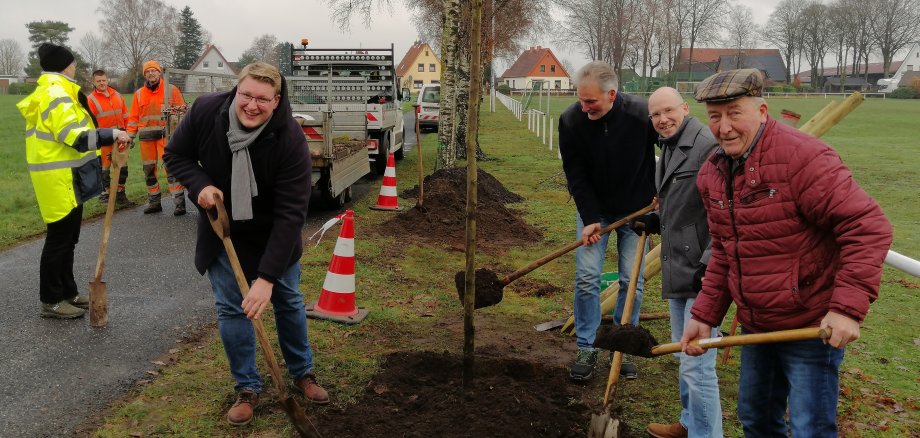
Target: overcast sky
column 233, row 29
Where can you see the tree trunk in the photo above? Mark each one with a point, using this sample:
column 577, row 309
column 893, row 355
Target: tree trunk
column 469, row 329
column 462, row 90
column 449, row 43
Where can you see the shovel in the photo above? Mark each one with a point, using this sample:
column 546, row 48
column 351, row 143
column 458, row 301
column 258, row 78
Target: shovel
column 637, row 341
column 603, row 425
column 221, row 226
column 489, row 288
column 98, row 297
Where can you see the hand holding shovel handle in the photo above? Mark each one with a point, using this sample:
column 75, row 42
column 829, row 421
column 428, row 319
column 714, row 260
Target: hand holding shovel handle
column 550, row 257
column 221, row 225
column 750, row 339
column 98, row 296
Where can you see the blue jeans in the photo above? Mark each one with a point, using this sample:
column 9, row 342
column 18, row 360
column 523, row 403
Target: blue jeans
column 700, row 408
column 238, row 335
column 804, row 373
column 589, row 264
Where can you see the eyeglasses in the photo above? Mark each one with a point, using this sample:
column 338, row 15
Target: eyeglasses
column 666, row 113
column 245, row 98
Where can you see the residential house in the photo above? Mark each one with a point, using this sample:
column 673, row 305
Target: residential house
column 537, row 65
column 851, row 81
column 6, row 80
column 708, row 61
column 211, row 64
column 420, row 66
column 910, row 63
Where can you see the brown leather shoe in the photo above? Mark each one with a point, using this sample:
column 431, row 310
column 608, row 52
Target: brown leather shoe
column 675, row 430
column 240, row 414
column 311, row 390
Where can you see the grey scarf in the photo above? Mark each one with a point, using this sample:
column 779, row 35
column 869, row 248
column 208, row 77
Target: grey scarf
column 242, row 181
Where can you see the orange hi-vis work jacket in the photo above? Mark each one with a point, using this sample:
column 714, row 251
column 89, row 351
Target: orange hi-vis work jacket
column 110, row 111
column 146, row 116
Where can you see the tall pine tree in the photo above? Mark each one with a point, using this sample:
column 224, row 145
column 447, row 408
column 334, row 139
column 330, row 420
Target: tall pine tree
column 190, row 40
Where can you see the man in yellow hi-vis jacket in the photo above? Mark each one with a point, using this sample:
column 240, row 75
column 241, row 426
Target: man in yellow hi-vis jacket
column 62, row 145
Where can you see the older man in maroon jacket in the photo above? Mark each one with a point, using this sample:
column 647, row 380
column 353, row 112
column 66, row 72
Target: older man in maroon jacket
column 795, row 243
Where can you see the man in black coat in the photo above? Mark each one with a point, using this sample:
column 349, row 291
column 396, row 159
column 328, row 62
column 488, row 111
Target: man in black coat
column 608, row 155
column 245, row 144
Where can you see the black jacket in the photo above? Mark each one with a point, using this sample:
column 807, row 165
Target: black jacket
column 609, row 163
column 199, row 155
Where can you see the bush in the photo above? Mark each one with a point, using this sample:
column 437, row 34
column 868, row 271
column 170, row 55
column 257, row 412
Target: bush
column 904, row 93
column 776, row 89
column 504, row 89
column 21, row 88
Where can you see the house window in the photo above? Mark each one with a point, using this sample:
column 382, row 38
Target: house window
column 435, row 82
column 416, row 84
column 432, row 68
column 552, row 68
column 205, row 64
column 202, row 84
column 426, row 53
column 910, row 67
column 220, row 64
column 542, row 69
column 421, row 67
column 558, row 85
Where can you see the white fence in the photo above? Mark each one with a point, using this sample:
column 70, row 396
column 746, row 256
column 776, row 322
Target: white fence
column 539, row 121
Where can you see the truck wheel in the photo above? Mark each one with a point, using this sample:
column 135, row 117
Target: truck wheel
column 336, row 202
column 380, row 163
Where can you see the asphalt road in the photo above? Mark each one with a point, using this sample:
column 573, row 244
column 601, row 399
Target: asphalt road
column 58, row 374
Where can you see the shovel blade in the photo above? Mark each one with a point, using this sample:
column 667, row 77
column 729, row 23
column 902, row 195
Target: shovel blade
column 549, row 325
column 98, row 304
column 299, row 419
column 602, row 426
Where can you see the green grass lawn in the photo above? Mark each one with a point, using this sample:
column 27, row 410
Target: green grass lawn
column 409, row 288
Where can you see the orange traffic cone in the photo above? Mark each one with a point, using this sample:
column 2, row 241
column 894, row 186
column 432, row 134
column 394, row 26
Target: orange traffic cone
column 337, row 300
column 387, row 199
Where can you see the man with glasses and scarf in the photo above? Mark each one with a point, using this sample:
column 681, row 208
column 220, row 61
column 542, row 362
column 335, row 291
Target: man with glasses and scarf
column 243, row 147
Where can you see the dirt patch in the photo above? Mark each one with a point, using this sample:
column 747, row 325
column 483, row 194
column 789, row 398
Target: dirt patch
column 489, row 288
column 527, row 287
column 442, row 218
column 420, row 394
column 626, row 338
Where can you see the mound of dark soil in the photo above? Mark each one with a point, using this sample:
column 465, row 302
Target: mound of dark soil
column 442, row 218
column 421, row 394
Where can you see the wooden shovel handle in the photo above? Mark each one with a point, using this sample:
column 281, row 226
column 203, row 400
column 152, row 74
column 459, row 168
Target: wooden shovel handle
column 221, row 225
column 754, row 338
column 107, row 225
column 550, row 257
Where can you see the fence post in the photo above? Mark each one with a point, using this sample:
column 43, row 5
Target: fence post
column 550, row 134
column 545, row 117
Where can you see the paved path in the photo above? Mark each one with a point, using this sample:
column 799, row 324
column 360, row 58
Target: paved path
column 58, row 374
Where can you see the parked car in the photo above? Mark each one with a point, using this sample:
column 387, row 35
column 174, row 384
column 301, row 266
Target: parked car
column 429, row 106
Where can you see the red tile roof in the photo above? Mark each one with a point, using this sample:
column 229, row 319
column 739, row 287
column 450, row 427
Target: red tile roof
column 402, row 70
column 529, row 61
column 702, row 54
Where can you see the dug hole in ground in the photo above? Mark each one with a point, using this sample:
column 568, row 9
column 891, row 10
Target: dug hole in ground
column 521, row 386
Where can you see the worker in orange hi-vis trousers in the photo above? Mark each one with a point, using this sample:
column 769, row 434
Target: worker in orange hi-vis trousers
column 110, row 111
column 147, row 122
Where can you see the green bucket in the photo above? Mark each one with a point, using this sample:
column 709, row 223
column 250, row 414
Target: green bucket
column 609, row 278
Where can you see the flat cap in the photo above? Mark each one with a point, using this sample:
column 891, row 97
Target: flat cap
column 729, row 85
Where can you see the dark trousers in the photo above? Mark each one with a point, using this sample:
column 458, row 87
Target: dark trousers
column 56, row 282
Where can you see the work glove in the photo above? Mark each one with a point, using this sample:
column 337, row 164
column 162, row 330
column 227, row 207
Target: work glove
column 698, row 278
column 649, row 223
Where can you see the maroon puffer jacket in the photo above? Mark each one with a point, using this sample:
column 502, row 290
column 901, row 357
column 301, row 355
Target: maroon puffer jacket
column 793, row 238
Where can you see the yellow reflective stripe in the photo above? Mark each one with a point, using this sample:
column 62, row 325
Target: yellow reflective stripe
column 54, row 165
column 41, row 135
column 147, row 118
column 62, row 136
column 92, row 140
column 54, row 104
